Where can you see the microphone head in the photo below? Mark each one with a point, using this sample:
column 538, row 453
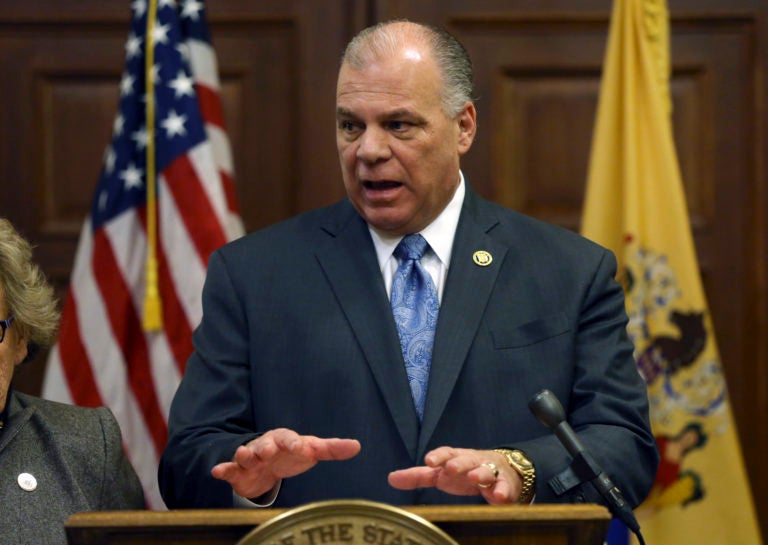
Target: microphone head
column 547, row 409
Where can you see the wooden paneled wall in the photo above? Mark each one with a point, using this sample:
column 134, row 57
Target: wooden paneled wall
column 537, row 75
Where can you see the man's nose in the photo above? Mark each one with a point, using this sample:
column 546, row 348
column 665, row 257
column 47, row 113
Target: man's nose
column 373, row 145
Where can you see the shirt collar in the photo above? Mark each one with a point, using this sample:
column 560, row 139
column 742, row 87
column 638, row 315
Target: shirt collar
column 439, row 234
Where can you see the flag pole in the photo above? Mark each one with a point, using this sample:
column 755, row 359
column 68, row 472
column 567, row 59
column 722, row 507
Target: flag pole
column 153, row 316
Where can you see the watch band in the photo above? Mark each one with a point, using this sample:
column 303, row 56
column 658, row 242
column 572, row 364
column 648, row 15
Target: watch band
column 520, row 463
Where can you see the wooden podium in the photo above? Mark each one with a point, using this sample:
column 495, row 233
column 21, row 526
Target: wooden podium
column 584, row 524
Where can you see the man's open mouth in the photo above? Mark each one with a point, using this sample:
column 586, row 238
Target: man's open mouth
column 381, row 185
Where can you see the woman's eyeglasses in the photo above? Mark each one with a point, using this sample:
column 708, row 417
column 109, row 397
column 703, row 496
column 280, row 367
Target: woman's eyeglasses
column 5, row 324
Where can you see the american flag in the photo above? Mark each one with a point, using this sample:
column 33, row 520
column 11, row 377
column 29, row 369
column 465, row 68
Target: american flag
column 103, row 355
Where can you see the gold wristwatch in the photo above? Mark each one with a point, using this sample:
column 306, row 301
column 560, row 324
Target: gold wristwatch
column 520, row 463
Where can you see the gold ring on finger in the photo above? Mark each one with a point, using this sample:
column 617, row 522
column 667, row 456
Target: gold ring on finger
column 494, row 470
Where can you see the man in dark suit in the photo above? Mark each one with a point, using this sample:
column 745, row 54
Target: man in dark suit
column 301, row 386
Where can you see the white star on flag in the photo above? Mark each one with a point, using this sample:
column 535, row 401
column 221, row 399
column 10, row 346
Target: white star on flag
column 139, row 7
column 132, row 177
column 141, row 137
column 126, row 85
column 109, row 159
column 160, row 34
column 174, row 124
column 191, row 9
column 133, row 46
column 117, row 126
column 183, row 85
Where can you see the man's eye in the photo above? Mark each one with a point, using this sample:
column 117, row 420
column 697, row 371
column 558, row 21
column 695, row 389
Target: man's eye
column 399, row 126
column 348, row 126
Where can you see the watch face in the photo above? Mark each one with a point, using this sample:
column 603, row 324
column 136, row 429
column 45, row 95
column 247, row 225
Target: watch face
column 521, row 460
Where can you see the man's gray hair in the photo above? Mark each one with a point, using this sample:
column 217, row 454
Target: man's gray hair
column 386, row 38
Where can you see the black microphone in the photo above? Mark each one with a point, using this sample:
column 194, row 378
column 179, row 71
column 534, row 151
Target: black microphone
column 547, row 409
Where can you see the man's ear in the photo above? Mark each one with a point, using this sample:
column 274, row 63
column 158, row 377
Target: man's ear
column 467, row 119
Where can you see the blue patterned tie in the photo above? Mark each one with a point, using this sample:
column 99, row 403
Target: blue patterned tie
column 415, row 306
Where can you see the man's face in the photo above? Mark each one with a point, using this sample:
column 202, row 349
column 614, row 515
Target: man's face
column 399, row 150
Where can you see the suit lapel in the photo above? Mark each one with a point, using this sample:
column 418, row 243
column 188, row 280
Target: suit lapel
column 349, row 261
column 466, row 294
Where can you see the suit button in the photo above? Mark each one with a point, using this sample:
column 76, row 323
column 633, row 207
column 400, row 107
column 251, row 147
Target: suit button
column 27, row 481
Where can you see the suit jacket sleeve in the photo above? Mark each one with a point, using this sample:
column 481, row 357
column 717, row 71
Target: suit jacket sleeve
column 212, row 407
column 607, row 405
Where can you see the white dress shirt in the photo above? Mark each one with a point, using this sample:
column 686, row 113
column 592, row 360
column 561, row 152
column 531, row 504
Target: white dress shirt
column 438, row 234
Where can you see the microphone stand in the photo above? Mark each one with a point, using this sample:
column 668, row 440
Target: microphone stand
column 547, row 409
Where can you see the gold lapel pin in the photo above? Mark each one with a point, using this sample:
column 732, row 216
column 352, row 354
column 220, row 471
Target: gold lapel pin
column 482, row 258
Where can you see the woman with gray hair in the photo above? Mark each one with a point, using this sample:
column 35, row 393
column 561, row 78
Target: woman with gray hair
column 55, row 459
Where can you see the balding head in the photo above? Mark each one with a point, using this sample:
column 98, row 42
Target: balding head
column 388, row 39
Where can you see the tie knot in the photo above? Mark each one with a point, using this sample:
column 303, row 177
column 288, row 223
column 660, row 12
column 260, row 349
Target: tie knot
column 411, row 247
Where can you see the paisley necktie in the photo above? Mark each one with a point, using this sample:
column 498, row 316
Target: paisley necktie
column 415, row 306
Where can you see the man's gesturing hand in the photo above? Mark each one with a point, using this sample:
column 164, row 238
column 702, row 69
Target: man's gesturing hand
column 464, row 472
column 258, row 465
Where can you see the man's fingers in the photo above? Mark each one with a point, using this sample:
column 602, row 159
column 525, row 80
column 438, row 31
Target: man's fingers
column 338, row 449
column 245, row 457
column 319, row 449
column 439, row 456
column 500, row 494
column 224, row 471
column 274, row 441
column 413, row 477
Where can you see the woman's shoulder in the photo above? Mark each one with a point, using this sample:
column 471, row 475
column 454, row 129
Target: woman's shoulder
column 70, row 419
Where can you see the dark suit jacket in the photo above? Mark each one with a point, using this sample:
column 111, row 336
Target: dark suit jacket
column 75, row 454
column 297, row 332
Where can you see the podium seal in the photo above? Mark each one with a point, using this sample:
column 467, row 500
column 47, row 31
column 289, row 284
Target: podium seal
column 347, row 522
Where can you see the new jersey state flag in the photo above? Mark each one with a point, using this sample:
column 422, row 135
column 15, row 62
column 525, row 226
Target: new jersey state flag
column 635, row 206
